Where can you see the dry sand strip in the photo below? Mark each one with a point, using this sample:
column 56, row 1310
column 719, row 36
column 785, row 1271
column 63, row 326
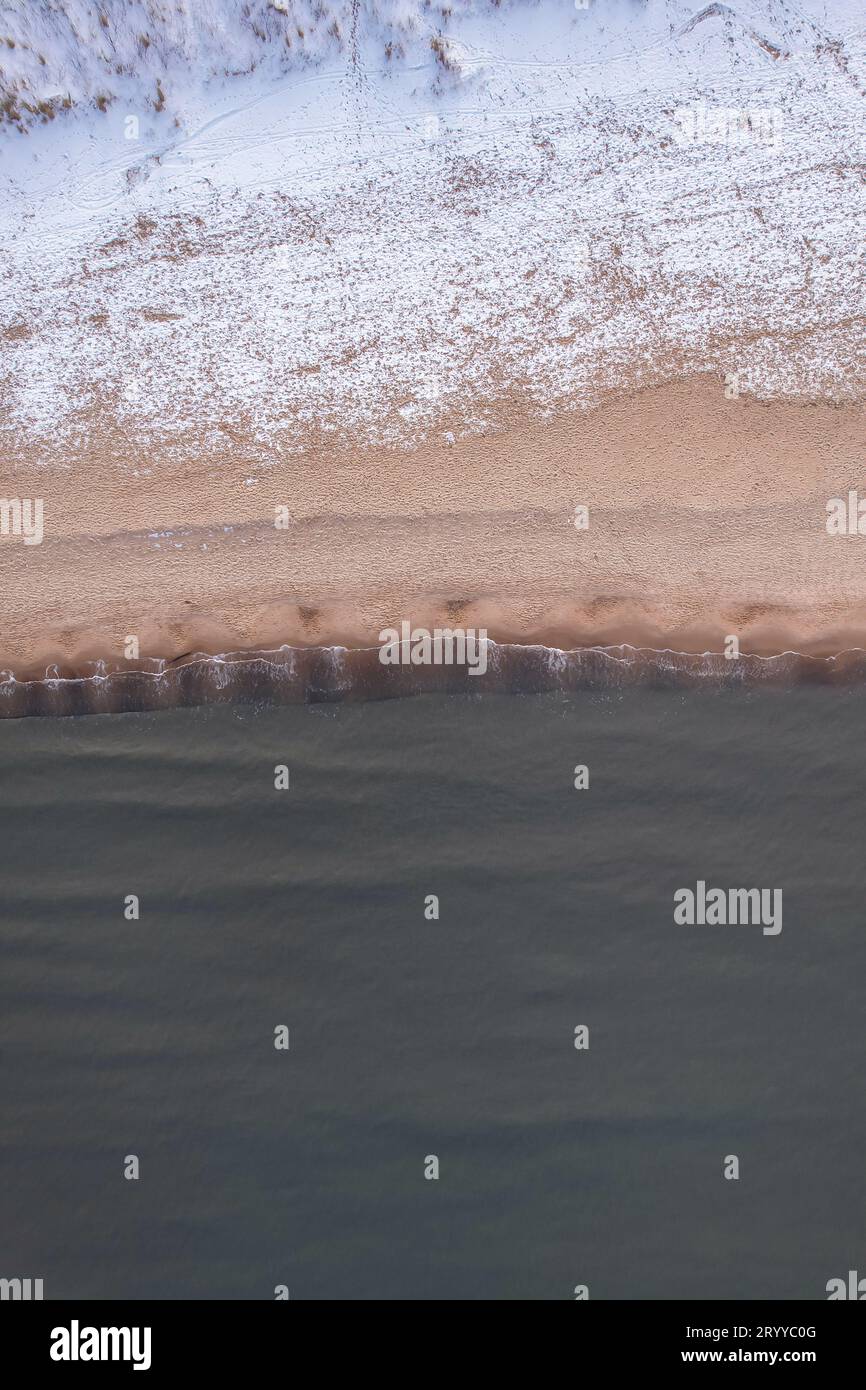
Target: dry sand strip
column 707, row 516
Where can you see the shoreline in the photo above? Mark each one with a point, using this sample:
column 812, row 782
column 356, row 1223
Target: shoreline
column 334, row 675
column 649, row 646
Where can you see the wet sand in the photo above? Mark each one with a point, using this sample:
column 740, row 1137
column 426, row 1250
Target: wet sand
column 706, row 518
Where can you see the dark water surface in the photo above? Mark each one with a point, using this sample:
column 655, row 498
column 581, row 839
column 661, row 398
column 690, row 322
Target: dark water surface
column 453, row 1037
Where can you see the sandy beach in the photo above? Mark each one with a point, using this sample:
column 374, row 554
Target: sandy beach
column 706, row 517
column 428, row 311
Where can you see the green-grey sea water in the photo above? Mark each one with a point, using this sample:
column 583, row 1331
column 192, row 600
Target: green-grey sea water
column 412, row 1037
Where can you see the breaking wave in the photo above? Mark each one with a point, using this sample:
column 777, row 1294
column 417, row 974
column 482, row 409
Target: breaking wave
column 298, row 675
